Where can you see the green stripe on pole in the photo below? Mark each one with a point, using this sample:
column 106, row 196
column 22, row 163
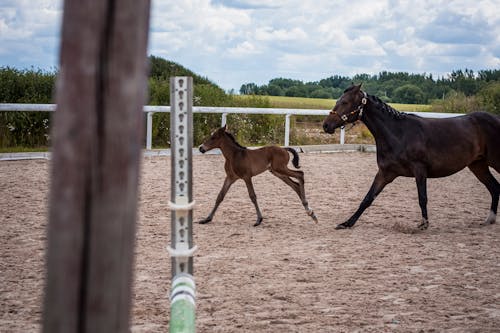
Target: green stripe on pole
column 182, row 307
column 182, row 316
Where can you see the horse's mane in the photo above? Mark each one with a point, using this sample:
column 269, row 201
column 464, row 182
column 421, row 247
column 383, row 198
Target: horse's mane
column 381, row 105
column 234, row 140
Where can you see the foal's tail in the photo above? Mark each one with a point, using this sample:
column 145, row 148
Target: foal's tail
column 295, row 160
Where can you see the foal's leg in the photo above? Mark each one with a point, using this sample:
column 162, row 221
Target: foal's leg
column 298, row 188
column 481, row 171
column 227, row 184
column 380, row 181
column 253, row 197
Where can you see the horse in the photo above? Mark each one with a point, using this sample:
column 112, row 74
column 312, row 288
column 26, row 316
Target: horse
column 244, row 163
column 412, row 146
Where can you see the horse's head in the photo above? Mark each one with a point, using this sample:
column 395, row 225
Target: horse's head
column 348, row 109
column 214, row 140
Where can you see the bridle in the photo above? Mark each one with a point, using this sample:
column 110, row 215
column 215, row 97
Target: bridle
column 358, row 111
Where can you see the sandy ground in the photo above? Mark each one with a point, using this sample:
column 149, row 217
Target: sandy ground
column 287, row 275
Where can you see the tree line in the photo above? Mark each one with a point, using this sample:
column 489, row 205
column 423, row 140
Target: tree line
column 399, row 87
column 463, row 91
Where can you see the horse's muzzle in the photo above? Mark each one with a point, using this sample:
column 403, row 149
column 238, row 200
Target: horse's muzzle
column 202, row 150
column 328, row 128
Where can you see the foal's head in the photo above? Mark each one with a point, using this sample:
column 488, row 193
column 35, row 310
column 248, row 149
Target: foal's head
column 214, row 140
column 348, row 109
column 217, row 138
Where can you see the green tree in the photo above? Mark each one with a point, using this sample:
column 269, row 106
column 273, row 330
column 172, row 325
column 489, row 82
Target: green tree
column 321, row 93
column 274, row 90
column 249, row 89
column 296, row 91
column 408, row 93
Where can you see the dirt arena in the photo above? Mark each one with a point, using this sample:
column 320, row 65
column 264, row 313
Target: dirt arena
column 287, row 275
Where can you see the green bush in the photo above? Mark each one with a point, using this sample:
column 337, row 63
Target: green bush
column 455, row 103
column 489, row 97
column 25, row 129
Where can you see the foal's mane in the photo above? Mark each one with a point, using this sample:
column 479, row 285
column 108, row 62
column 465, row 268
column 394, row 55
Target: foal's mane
column 234, row 140
column 381, row 105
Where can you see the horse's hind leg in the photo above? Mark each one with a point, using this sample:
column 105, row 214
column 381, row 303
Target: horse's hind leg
column 481, row 171
column 253, row 197
column 421, row 180
column 297, row 187
column 227, row 184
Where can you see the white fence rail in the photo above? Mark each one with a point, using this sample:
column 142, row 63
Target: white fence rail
column 224, row 111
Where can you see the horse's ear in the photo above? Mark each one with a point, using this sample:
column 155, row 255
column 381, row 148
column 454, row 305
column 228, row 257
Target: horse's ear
column 355, row 88
column 225, row 128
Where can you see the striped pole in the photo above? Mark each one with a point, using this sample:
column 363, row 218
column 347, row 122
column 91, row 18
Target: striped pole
column 182, row 295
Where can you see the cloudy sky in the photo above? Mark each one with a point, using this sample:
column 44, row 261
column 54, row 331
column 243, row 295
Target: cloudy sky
column 241, row 41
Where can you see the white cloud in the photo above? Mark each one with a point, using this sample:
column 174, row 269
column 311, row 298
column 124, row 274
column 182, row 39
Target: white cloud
column 269, row 34
column 239, row 41
column 243, row 50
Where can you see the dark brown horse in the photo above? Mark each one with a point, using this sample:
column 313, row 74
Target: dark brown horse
column 411, row 146
column 243, row 163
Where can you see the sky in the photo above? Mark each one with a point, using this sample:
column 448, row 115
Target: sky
column 253, row 41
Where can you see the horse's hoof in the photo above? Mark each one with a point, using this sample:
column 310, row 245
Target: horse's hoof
column 424, row 225
column 492, row 218
column 259, row 221
column 342, row 226
column 315, row 219
column 205, row 221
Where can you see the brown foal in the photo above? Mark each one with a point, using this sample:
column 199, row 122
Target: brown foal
column 243, row 163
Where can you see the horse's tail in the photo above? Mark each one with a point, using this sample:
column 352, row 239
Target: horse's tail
column 295, row 159
column 490, row 127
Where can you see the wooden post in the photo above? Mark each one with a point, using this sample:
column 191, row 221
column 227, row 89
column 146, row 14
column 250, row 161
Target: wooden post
column 97, row 140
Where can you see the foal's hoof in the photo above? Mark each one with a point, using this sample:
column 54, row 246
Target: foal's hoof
column 310, row 212
column 204, row 221
column 259, row 221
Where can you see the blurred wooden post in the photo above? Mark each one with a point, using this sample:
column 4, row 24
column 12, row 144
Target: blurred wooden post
column 97, row 140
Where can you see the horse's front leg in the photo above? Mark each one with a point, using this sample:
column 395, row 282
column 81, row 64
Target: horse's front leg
column 253, row 197
column 225, row 187
column 421, row 180
column 380, row 181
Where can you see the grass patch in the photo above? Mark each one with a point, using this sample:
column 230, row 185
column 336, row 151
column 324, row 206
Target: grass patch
column 23, row 149
column 284, row 102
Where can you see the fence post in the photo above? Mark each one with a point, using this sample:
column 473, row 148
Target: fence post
column 182, row 295
column 342, row 135
column 223, row 120
column 287, row 130
column 149, row 130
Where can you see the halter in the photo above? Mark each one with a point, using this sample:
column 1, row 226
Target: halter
column 358, row 110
